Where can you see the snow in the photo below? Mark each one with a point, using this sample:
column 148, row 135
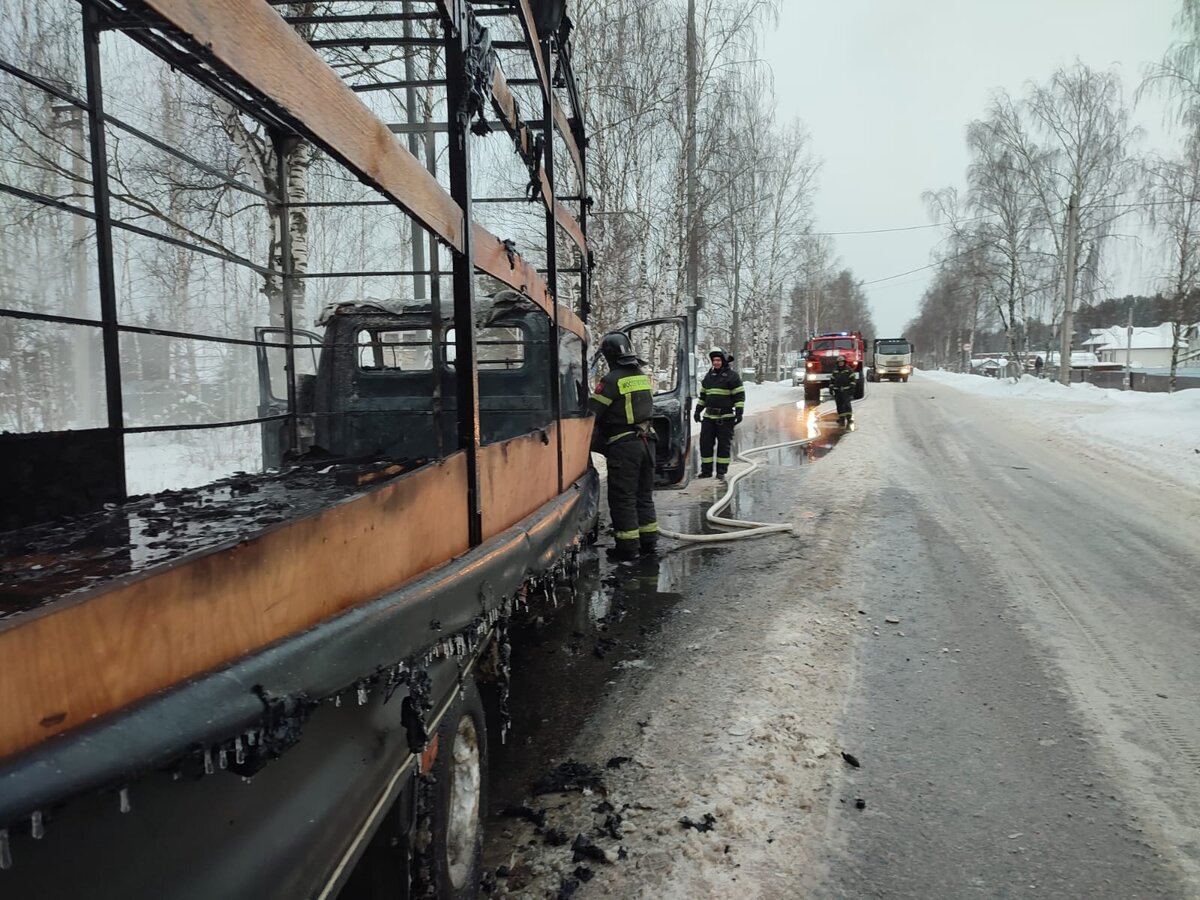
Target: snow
column 1160, row 432
column 1114, row 338
column 180, row 459
column 764, row 396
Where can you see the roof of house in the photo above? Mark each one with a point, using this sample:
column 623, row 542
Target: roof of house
column 1114, row 338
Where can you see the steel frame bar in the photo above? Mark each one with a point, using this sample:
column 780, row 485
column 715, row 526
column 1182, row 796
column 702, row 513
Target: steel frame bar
column 552, row 208
column 42, row 84
column 110, row 332
column 463, row 266
column 281, row 144
column 34, row 197
column 152, row 429
column 179, row 154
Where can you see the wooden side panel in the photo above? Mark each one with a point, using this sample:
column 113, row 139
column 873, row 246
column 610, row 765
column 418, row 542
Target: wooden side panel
column 492, row 257
column 516, row 477
column 568, row 136
column 570, row 321
column 577, row 439
column 252, row 40
column 527, row 21
column 570, row 225
column 560, row 118
column 107, row 651
column 505, row 105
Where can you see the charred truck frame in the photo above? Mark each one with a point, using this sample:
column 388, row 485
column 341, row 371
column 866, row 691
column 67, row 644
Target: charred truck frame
column 266, row 686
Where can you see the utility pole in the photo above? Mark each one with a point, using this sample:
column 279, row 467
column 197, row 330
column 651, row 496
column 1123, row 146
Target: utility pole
column 693, row 250
column 1064, row 357
column 1129, row 350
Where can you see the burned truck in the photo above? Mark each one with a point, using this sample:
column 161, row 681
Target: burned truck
column 272, row 683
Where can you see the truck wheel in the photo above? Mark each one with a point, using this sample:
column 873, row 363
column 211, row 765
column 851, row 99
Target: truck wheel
column 812, row 394
column 456, row 799
column 904, row 379
column 860, row 387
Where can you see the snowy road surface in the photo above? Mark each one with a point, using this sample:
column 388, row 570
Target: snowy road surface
column 1029, row 727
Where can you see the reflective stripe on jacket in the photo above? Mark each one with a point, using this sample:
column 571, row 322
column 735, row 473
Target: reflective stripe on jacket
column 721, row 394
column 841, row 379
column 623, row 403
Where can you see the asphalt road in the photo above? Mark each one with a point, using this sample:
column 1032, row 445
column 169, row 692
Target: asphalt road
column 1036, row 730
column 1030, row 727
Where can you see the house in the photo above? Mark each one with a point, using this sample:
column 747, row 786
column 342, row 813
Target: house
column 1080, row 359
column 1191, row 356
column 1149, row 348
column 989, row 366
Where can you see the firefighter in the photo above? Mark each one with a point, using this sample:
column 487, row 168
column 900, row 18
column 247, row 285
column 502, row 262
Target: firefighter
column 623, row 404
column 720, row 408
column 841, row 384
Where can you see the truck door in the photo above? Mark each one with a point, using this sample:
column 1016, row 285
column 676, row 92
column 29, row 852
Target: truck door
column 665, row 347
column 272, row 389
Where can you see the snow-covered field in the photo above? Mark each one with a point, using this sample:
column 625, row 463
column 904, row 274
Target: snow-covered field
column 1160, row 432
column 181, row 459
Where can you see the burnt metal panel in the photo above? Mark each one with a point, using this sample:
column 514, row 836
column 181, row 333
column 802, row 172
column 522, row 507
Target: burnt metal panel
column 318, row 663
column 53, row 474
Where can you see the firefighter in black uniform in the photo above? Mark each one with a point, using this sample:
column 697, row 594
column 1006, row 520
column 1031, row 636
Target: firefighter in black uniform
column 623, row 404
column 720, row 407
column 841, row 385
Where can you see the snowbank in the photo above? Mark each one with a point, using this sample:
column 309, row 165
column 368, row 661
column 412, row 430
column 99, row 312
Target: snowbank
column 1157, row 431
column 764, row 396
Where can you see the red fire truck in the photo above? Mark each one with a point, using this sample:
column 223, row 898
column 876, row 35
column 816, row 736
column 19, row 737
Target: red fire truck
column 820, row 356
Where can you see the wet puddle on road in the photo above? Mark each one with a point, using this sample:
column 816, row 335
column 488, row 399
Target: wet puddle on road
column 566, row 662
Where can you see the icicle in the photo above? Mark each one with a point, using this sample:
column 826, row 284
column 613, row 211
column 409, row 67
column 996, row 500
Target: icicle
column 251, row 737
column 223, row 759
column 208, row 763
column 5, row 853
column 362, row 695
column 239, row 752
column 125, row 805
column 36, row 827
column 337, row 699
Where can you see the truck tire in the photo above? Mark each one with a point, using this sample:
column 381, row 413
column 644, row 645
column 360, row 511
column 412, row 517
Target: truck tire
column 860, row 387
column 455, row 798
column 904, row 379
column 812, row 394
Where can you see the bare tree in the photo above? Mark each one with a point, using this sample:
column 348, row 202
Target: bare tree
column 1173, row 192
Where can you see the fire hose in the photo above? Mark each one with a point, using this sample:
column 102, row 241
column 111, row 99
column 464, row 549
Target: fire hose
column 746, row 529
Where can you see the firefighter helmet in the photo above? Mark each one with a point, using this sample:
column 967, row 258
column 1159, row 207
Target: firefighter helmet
column 616, row 349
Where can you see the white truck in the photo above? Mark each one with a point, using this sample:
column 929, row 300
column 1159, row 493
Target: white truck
column 891, row 358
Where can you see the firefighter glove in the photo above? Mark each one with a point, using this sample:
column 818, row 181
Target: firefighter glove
column 737, row 417
column 699, row 413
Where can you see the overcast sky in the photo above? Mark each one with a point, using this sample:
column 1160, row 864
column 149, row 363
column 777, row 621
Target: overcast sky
column 887, row 88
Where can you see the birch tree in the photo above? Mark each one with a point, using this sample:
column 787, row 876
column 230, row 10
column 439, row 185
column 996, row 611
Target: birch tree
column 1173, row 194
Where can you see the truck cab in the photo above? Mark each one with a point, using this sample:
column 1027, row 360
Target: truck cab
column 380, row 382
column 820, row 357
column 891, row 359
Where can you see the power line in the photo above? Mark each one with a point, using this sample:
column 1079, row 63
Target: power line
column 932, row 265
column 902, row 228
column 901, row 274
